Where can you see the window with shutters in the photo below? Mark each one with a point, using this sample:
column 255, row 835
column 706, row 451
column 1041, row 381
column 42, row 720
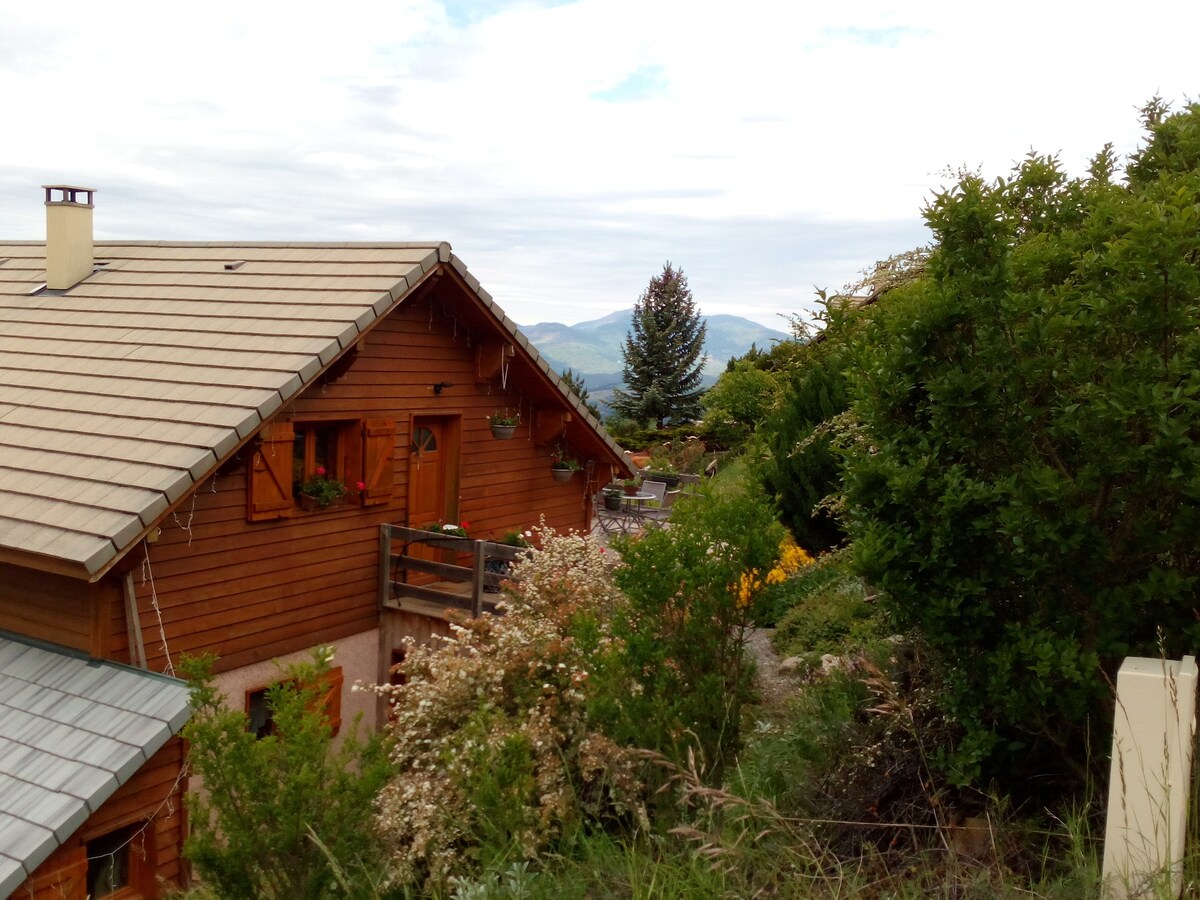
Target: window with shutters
column 317, row 450
column 260, row 715
column 287, row 455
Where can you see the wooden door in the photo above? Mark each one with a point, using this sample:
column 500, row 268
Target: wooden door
column 427, row 466
column 432, row 473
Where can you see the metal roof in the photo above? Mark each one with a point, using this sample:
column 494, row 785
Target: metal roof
column 121, row 394
column 72, row 731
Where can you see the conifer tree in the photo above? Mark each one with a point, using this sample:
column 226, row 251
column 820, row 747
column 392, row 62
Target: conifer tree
column 578, row 386
column 663, row 353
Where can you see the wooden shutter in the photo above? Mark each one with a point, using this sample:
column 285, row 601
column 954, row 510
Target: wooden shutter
column 379, row 446
column 269, row 480
column 331, row 700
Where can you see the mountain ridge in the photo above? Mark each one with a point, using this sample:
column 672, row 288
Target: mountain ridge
column 592, row 349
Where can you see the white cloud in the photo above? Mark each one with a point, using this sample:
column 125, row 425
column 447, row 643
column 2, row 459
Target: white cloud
column 567, row 148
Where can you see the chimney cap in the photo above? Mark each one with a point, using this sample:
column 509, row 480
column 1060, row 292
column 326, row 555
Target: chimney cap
column 70, row 195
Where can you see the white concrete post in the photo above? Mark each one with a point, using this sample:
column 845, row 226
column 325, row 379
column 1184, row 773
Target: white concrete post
column 1150, row 781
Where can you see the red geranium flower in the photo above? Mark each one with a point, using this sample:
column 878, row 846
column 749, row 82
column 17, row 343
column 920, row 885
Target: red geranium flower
column 321, row 471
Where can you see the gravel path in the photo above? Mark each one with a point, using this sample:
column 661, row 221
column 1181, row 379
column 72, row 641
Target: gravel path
column 773, row 686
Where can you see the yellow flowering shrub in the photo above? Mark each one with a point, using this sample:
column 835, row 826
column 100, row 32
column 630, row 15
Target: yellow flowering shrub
column 792, row 558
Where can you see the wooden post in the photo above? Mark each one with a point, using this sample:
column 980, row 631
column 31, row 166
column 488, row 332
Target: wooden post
column 1150, row 778
column 385, row 564
column 133, row 625
column 480, row 554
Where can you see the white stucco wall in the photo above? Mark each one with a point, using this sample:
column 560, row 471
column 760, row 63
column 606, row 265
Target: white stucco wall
column 356, row 655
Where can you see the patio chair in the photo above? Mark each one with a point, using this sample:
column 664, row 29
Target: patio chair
column 658, row 516
column 657, row 488
column 611, row 521
column 646, row 511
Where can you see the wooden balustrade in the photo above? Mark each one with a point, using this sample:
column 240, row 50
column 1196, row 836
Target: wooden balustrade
column 404, row 576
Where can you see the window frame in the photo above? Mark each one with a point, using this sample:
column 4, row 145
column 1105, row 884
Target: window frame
column 330, row 683
column 137, row 846
column 338, row 434
column 363, row 450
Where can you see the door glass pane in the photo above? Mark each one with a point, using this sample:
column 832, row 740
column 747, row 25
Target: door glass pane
column 423, row 440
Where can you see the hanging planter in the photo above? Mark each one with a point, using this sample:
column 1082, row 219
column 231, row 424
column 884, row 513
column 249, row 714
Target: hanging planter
column 503, row 424
column 562, row 467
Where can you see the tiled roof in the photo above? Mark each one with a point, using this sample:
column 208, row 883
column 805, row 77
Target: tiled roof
column 72, row 730
column 120, row 394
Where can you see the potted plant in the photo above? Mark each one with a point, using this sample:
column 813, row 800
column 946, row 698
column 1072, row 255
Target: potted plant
column 562, row 467
column 500, row 566
column 662, row 469
column 517, row 539
column 321, row 491
column 448, row 529
column 503, row 424
column 612, row 498
column 631, row 486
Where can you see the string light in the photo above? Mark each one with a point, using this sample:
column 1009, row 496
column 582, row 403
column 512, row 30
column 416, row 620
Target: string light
column 148, row 575
column 151, row 820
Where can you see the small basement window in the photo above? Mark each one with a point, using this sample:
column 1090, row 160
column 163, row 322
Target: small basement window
column 119, row 863
column 260, row 718
column 258, row 712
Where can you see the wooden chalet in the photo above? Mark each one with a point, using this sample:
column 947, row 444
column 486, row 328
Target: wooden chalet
column 161, row 407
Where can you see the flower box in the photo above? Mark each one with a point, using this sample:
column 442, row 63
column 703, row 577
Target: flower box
column 312, row 504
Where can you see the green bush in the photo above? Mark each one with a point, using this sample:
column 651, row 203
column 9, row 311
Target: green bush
column 836, row 618
column 684, row 635
column 269, row 803
column 1031, row 494
column 803, row 463
column 736, row 405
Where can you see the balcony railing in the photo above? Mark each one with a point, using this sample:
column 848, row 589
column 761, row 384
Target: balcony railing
column 408, row 579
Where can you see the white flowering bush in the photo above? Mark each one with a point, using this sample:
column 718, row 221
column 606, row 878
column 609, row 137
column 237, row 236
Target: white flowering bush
column 494, row 752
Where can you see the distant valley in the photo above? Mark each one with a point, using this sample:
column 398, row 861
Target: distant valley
column 593, row 349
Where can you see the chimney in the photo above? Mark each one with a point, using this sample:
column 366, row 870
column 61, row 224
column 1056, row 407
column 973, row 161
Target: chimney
column 69, row 257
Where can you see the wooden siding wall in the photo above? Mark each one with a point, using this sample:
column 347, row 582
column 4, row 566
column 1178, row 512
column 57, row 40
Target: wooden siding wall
column 57, row 609
column 252, row 591
column 154, row 795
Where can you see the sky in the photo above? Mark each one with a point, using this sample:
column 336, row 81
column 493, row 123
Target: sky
column 567, row 149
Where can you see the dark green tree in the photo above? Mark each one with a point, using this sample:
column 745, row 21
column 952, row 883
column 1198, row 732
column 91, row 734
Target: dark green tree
column 664, row 354
column 1031, row 495
column 578, row 387
column 803, row 467
column 812, row 429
